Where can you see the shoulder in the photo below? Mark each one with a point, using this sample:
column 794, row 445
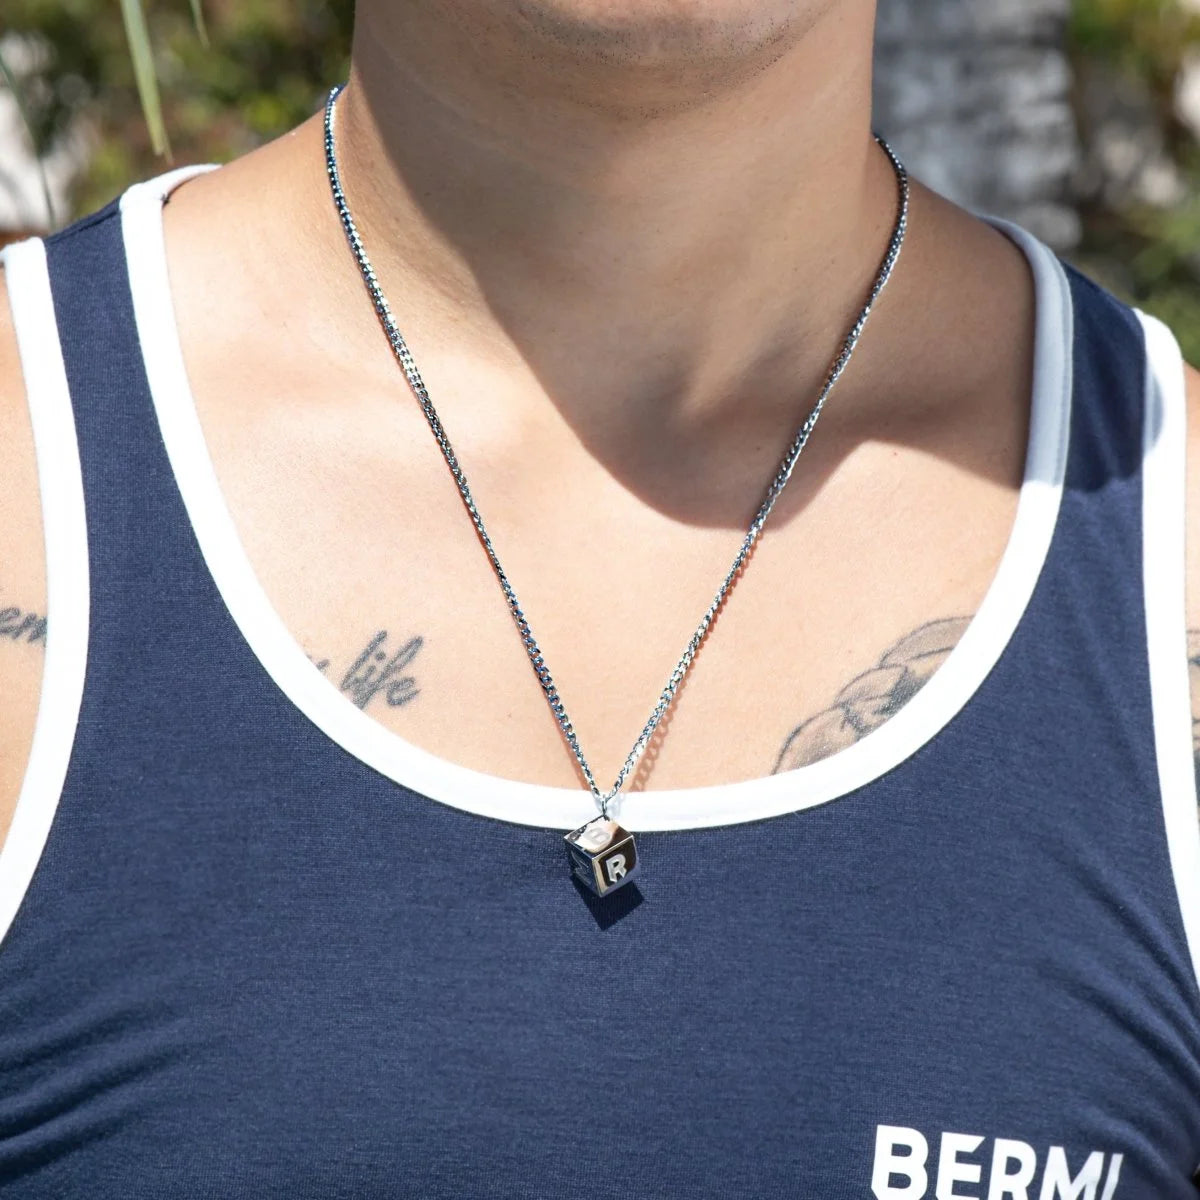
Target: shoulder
column 22, row 569
column 1191, row 391
column 1191, row 385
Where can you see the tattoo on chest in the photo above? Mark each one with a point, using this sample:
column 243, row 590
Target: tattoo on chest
column 379, row 670
column 869, row 699
column 21, row 625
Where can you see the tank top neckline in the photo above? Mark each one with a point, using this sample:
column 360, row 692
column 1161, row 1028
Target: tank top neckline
column 947, row 691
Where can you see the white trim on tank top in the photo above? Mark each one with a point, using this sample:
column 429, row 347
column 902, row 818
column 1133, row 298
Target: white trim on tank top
column 436, row 778
column 1164, row 534
column 64, row 532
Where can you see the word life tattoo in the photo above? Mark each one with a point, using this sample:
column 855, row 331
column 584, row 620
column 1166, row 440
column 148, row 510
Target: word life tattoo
column 22, row 625
column 377, row 669
column 869, row 699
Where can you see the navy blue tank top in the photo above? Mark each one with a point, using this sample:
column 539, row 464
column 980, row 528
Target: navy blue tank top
column 255, row 945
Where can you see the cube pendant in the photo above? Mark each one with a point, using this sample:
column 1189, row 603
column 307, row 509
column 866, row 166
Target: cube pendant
column 602, row 855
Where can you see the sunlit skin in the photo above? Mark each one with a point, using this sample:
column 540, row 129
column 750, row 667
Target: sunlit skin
column 623, row 240
column 614, row 188
column 623, row 243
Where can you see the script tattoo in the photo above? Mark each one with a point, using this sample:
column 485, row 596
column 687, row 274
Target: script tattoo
column 377, row 669
column 21, row 625
column 872, row 697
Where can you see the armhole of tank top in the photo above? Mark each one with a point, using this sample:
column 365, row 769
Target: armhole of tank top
column 1164, row 466
column 60, row 485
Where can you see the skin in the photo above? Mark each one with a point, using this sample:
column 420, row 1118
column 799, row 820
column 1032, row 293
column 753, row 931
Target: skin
column 22, row 571
column 623, row 239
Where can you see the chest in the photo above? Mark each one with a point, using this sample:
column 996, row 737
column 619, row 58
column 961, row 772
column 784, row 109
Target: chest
column 363, row 547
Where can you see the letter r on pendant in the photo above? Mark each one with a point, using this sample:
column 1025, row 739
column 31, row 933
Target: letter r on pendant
column 615, row 867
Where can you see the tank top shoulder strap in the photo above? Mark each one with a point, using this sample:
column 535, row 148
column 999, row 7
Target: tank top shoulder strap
column 112, row 520
column 1109, row 364
column 140, row 550
column 64, row 531
column 1163, row 453
column 1118, row 572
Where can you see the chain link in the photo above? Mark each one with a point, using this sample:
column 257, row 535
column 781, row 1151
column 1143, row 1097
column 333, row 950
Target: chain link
column 778, row 483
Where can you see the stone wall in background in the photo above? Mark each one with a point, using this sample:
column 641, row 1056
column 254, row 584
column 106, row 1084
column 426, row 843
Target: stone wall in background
column 975, row 97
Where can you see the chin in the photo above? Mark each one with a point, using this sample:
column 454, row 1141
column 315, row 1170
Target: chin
column 656, row 33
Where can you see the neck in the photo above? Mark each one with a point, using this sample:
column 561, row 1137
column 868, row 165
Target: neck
column 645, row 211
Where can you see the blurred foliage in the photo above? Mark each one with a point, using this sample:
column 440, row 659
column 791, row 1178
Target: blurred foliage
column 1148, row 37
column 266, row 67
column 141, row 52
column 1148, row 254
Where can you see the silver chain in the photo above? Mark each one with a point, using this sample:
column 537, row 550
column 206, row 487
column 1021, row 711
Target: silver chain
column 778, row 483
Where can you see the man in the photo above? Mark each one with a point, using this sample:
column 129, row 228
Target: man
column 914, row 911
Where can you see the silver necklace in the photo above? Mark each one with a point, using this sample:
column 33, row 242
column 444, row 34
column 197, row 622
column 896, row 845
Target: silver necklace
column 602, row 854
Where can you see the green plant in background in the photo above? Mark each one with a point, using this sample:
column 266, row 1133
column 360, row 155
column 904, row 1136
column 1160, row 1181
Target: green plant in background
column 1150, row 39
column 1148, row 253
column 223, row 81
column 141, row 54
